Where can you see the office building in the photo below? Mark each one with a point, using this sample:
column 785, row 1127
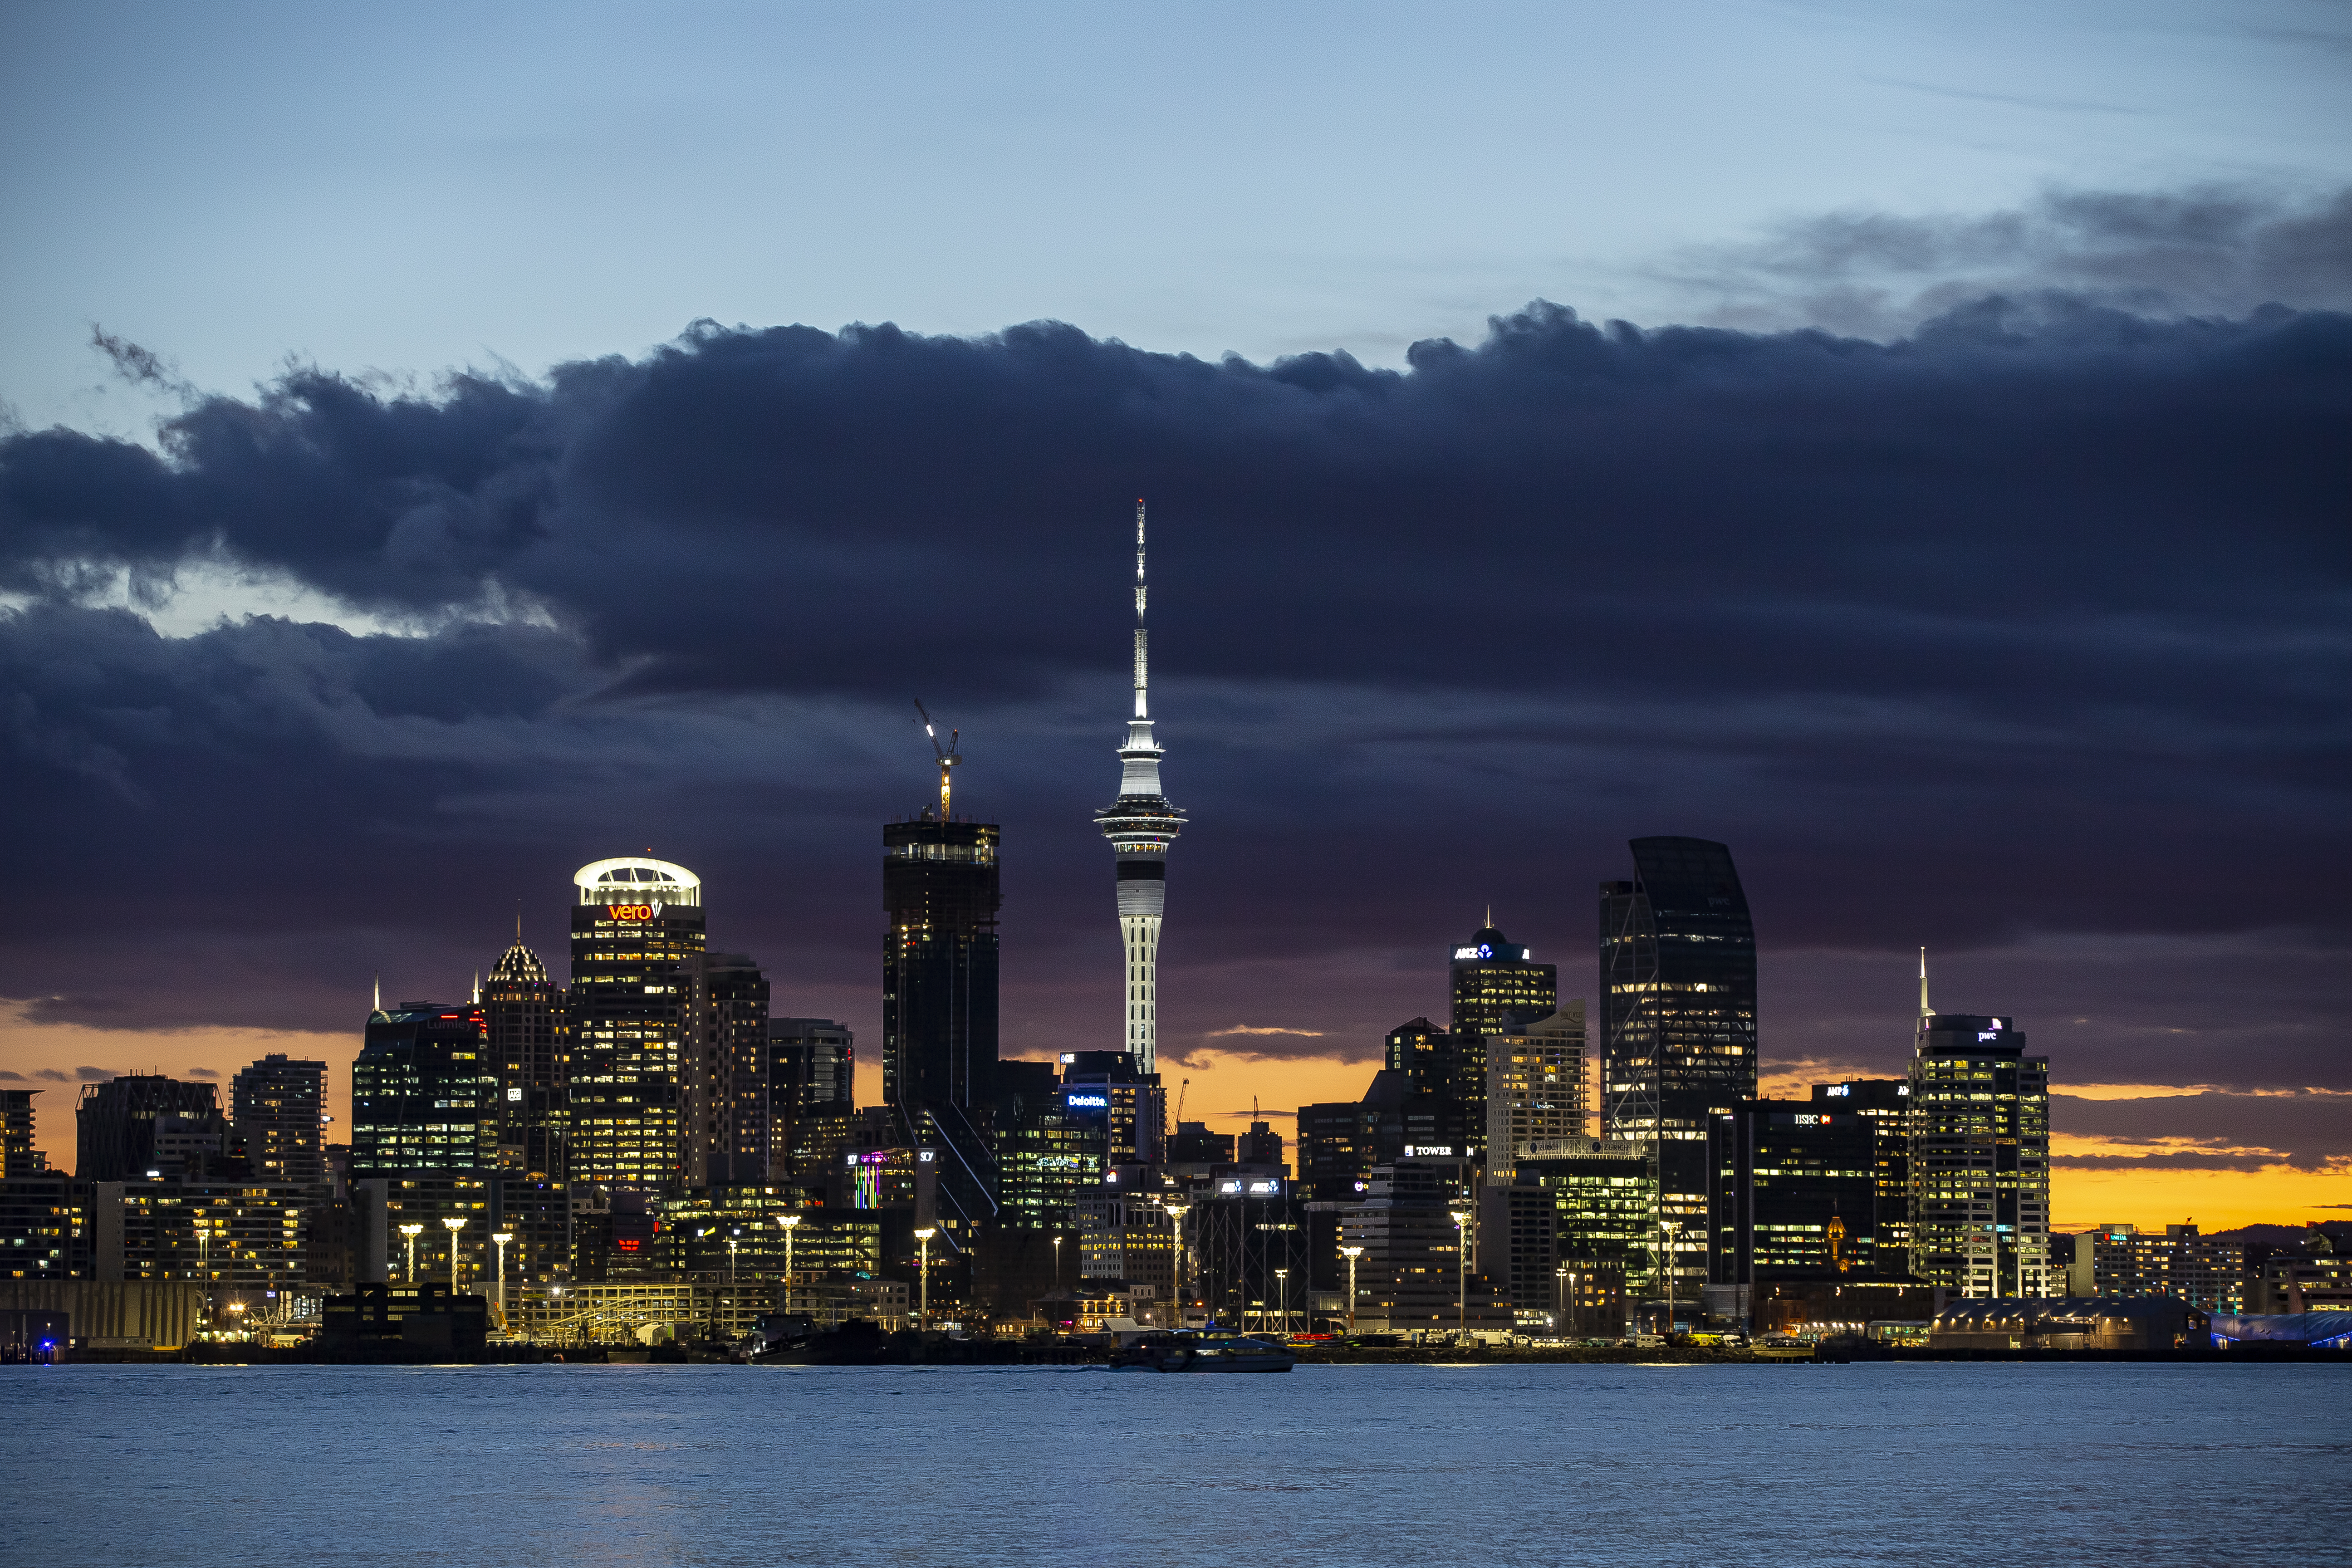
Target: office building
column 1535, row 1086
column 1125, row 1235
column 1679, row 1024
column 1496, row 985
column 939, row 888
column 1979, row 1157
column 423, row 1094
column 1192, row 1145
column 17, row 1155
column 1045, row 1156
column 280, row 1109
column 1886, row 1105
column 1794, row 1197
column 1260, row 1146
column 813, row 1062
column 636, row 935
column 1338, row 1142
column 40, row 1226
column 1605, row 1206
column 1415, row 1222
column 529, row 1037
column 1141, row 826
column 114, row 1125
column 733, row 1135
column 1124, row 1107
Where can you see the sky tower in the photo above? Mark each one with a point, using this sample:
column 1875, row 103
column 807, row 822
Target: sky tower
column 1141, row 825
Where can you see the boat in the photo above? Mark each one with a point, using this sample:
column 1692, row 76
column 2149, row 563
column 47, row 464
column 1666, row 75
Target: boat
column 1207, row 1351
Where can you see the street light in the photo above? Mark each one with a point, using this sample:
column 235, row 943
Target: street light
column 502, row 1238
column 1351, row 1253
column 791, row 1222
column 456, row 1222
column 1282, row 1296
column 1669, row 1227
column 412, row 1232
column 1176, row 1212
column 923, row 1273
column 1462, row 1239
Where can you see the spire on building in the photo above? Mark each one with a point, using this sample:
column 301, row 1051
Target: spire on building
column 1925, row 1012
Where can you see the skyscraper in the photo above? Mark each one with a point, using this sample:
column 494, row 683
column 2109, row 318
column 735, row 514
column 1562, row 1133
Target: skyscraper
column 423, row 1097
column 637, row 933
column 17, row 1155
column 940, row 888
column 1141, row 825
column 1678, row 1046
column 734, row 1134
column 1980, row 1156
column 276, row 1105
column 114, row 1125
column 1496, row 985
column 1535, row 1086
column 524, row 1010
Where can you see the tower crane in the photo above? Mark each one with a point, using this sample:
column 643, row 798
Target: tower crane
column 947, row 755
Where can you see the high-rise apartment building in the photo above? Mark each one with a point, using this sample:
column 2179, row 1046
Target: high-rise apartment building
column 115, row 1124
column 1497, row 983
column 1535, row 1086
column 524, row 1009
column 1678, row 1040
column 940, row 888
column 279, row 1107
column 17, row 1155
column 636, row 936
column 423, row 1093
column 733, row 1133
column 813, row 1061
column 1141, row 826
column 1979, row 1157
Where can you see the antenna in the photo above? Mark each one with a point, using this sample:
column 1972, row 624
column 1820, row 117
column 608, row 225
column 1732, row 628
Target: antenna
column 1142, row 642
column 1925, row 1012
column 379, row 993
column 947, row 755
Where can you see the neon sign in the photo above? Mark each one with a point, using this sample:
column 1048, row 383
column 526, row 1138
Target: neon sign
column 632, row 911
column 1091, row 1101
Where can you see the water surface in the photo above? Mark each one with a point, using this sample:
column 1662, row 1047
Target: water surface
column 2054, row 1465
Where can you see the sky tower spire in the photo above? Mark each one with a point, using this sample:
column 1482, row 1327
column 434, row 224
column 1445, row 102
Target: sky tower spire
column 1140, row 825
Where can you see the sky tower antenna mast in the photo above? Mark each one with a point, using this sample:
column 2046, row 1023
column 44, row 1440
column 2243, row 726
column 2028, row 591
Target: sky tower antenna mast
column 947, row 755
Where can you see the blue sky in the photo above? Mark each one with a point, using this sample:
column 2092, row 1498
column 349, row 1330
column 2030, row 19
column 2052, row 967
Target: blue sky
column 417, row 187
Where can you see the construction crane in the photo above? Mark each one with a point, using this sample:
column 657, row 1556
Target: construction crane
column 947, row 755
column 1186, row 1087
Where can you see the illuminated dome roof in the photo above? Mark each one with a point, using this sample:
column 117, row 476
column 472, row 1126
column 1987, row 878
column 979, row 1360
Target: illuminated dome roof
column 521, row 965
column 632, row 879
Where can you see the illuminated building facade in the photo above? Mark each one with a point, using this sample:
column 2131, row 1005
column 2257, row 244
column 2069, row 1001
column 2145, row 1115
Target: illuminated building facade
column 524, row 1009
column 1535, row 1086
column 1605, row 1207
column 40, row 1226
column 813, row 1061
column 1886, row 1104
column 1141, row 826
column 636, row 934
column 941, row 890
column 17, row 1155
column 423, row 1097
column 115, row 1124
column 1124, row 1109
column 1497, row 985
column 1795, row 1196
column 733, row 1136
column 1678, row 1026
column 278, row 1107
column 1979, row 1158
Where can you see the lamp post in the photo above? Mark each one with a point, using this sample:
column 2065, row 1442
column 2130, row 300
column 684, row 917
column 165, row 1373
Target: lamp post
column 1351, row 1253
column 408, row 1275
column 502, row 1238
column 1058, row 1260
column 205, row 1265
column 1282, row 1297
column 791, row 1222
column 1176, row 1212
column 1462, row 1304
column 1668, row 1227
column 1559, row 1294
column 923, row 1273
column 456, row 1222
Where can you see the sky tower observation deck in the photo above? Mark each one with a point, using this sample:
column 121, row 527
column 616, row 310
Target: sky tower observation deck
column 1141, row 825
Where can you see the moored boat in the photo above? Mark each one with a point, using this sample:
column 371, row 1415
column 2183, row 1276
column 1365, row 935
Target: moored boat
column 1204, row 1351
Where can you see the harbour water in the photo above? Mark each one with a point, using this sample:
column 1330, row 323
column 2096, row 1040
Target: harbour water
column 1947, row 1464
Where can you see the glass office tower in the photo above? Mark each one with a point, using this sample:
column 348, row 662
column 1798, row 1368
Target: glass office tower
column 636, row 935
column 941, row 891
column 1678, row 1045
column 1979, row 1122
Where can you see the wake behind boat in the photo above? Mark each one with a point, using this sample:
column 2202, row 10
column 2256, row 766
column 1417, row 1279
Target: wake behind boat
column 1204, row 1351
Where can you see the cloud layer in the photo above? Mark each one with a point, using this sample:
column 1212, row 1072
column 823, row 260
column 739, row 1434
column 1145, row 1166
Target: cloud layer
column 2029, row 626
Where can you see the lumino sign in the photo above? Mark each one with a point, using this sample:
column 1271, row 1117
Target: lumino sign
column 632, row 911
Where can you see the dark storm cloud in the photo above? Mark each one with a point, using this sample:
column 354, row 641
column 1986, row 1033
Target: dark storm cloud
column 2032, row 621
column 2238, row 1131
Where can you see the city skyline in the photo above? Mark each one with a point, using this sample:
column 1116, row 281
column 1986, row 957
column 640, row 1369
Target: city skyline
column 1950, row 524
